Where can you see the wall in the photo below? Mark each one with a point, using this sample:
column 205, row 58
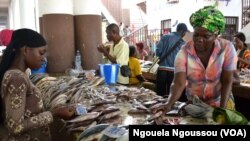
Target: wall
column 160, row 10
column 246, row 30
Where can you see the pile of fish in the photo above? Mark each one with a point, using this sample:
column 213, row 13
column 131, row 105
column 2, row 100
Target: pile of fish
column 100, row 101
column 104, row 132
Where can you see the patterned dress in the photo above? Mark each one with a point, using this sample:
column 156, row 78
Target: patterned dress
column 25, row 118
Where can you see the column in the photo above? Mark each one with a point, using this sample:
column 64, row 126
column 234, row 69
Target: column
column 57, row 26
column 88, row 31
column 27, row 14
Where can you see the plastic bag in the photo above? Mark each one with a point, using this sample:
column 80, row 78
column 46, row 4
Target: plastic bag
column 226, row 116
column 125, row 71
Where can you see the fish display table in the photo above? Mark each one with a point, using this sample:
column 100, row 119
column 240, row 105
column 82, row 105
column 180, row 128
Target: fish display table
column 105, row 104
column 241, row 93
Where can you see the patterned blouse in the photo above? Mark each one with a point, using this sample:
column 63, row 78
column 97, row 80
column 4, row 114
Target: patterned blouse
column 25, row 118
column 244, row 54
column 205, row 82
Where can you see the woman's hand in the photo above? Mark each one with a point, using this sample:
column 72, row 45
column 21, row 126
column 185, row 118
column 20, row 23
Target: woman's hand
column 65, row 112
column 165, row 107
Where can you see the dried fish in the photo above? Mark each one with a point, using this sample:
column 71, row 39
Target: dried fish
column 84, row 117
column 117, row 120
column 137, row 111
column 158, row 114
column 110, row 115
column 92, row 132
column 82, row 128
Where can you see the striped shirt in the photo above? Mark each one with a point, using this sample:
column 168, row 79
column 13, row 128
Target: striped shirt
column 201, row 81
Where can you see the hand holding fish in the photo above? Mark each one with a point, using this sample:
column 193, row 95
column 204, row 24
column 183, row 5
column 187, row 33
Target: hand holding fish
column 64, row 112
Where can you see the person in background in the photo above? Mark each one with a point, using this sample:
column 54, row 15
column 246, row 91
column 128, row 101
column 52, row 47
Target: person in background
column 136, row 77
column 205, row 65
column 121, row 29
column 118, row 53
column 143, row 54
column 165, row 73
column 22, row 107
column 242, row 51
column 5, row 37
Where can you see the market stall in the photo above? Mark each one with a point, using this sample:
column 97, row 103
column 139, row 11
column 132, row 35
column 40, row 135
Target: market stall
column 241, row 94
column 98, row 104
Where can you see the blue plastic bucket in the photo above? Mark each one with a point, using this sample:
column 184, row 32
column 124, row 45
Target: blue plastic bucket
column 109, row 72
column 42, row 69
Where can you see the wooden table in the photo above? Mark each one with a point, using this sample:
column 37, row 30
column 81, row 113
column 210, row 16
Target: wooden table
column 242, row 99
column 149, row 76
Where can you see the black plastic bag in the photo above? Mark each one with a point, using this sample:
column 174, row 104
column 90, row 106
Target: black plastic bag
column 125, row 71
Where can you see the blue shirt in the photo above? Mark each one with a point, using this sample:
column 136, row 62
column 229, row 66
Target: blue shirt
column 164, row 45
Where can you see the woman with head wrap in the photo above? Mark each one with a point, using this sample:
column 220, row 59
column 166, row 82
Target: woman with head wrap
column 205, row 65
column 22, row 108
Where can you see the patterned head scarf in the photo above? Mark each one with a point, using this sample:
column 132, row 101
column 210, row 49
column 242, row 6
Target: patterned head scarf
column 209, row 18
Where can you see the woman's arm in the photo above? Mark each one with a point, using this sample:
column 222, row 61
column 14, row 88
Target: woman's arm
column 177, row 87
column 245, row 61
column 17, row 117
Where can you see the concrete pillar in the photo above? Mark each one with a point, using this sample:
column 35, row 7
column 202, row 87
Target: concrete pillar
column 57, row 26
column 27, row 14
column 88, row 31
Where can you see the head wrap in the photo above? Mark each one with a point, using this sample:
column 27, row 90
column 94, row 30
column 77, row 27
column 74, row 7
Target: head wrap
column 5, row 36
column 209, row 18
column 26, row 37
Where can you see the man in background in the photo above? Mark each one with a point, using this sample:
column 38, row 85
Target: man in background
column 169, row 44
column 118, row 52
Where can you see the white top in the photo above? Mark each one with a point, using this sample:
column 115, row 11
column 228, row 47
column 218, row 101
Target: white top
column 121, row 52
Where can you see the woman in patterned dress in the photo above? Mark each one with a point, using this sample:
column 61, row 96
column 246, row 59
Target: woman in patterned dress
column 21, row 105
column 205, row 65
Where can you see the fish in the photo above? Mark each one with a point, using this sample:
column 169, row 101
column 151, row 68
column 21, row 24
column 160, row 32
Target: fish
column 137, row 111
column 110, row 115
column 82, row 128
column 149, row 103
column 78, row 124
column 84, row 117
column 109, row 110
column 156, row 115
column 103, row 102
column 117, row 120
column 92, row 131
